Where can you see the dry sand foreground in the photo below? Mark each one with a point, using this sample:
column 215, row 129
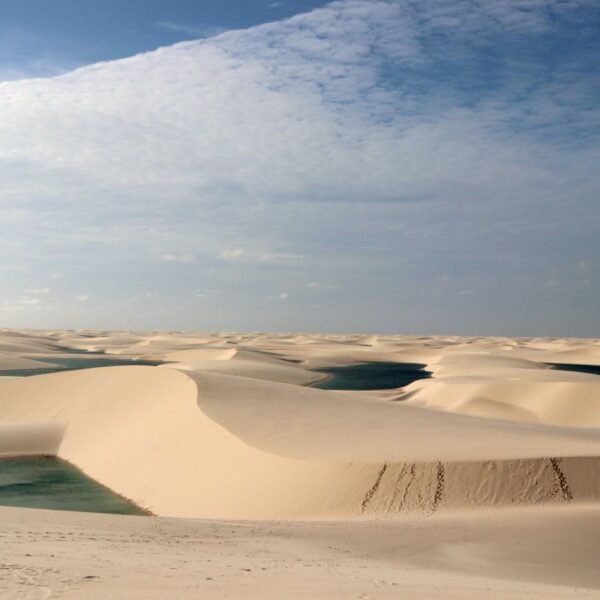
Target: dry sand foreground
column 483, row 480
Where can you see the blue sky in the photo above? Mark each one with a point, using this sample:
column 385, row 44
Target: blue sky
column 365, row 165
column 42, row 38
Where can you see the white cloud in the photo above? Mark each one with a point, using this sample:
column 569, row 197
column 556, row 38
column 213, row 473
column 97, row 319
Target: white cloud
column 316, row 285
column 284, row 150
column 238, row 254
column 38, row 290
column 280, row 96
column 231, row 254
column 277, row 257
column 281, row 296
column 28, row 301
column 208, row 138
column 83, row 298
column 179, row 258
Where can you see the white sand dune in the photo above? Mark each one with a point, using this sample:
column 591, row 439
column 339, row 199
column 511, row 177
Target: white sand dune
column 229, row 430
column 509, row 388
column 30, row 438
column 191, row 357
column 243, row 448
column 251, row 368
column 573, row 403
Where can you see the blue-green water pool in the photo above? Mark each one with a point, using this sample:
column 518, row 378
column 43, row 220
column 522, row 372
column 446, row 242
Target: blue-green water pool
column 52, row 483
column 371, row 376
column 76, row 363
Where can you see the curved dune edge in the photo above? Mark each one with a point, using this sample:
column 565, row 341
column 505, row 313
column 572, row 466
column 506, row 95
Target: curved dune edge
column 252, row 369
column 307, row 423
column 191, row 357
column 561, row 403
column 515, row 389
column 183, row 447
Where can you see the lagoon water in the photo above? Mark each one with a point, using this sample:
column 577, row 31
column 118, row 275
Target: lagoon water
column 52, row 483
column 590, row 369
column 372, row 376
column 76, row 363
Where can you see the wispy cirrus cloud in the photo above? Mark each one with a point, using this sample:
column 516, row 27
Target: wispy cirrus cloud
column 195, row 31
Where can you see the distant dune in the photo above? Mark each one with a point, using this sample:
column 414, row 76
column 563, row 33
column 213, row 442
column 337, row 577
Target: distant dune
column 230, row 431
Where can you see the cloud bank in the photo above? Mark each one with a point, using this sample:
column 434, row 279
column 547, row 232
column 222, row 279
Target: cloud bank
column 401, row 151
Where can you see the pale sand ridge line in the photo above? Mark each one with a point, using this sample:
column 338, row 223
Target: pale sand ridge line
column 139, row 430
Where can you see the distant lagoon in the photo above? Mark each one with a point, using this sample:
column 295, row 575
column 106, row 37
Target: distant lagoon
column 390, row 375
column 590, row 369
column 76, row 363
column 371, row 376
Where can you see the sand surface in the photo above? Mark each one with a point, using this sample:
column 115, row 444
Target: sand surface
column 545, row 553
column 485, row 476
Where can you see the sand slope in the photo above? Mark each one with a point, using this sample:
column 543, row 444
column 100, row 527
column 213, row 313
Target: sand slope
column 509, row 388
column 219, row 446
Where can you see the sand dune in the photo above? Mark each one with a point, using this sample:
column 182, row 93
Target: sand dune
column 509, row 388
column 30, row 438
column 227, row 429
column 191, row 357
column 252, row 368
column 243, row 448
column 10, row 362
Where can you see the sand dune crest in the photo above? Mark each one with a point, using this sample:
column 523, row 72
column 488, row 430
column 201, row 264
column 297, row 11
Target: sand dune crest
column 220, row 446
